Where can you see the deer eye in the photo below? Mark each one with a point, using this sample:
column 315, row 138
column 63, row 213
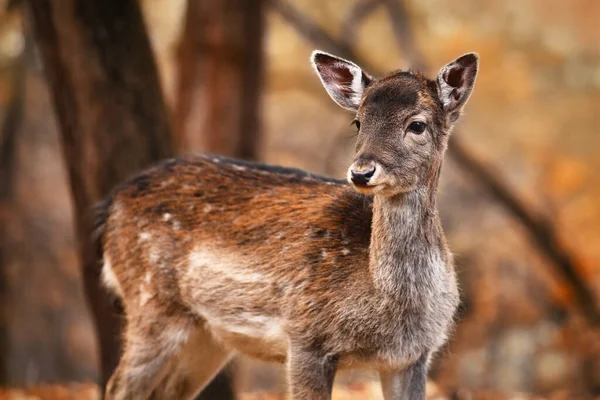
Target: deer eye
column 356, row 123
column 417, row 127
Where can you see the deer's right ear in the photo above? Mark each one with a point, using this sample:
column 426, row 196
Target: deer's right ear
column 344, row 81
column 455, row 83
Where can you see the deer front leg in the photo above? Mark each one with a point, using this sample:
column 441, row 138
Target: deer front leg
column 407, row 384
column 310, row 374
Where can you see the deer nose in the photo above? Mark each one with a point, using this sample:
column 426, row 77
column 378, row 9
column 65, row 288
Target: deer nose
column 361, row 177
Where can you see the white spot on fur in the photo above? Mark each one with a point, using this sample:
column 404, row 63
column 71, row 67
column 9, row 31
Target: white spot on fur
column 167, row 182
column 145, row 293
column 257, row 326
column 216, row 160
column 144, row 236
column 207, row 208
column 118, row 210
column 285, row 248
column 167, row 217
column 153, row 257
column 239, row 167
column 109, row 279
column 323, row 253
column 176, row 225
column 224, row 263
column 345, row 251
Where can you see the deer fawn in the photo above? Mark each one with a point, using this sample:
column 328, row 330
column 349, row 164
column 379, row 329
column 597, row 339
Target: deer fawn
column 212, row 256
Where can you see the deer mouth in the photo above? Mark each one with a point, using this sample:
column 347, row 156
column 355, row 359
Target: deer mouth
column 366, row 188
column 362, row 185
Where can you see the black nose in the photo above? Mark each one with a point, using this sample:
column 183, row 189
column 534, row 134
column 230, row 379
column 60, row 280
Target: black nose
column 361, row 177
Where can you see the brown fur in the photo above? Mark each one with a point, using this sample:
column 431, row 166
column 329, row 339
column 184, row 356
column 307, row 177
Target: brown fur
column 212, row 256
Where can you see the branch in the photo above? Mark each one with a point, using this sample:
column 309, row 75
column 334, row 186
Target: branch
column 313, row 33
column 540, row 230
column 361, row 10
column 403, row 33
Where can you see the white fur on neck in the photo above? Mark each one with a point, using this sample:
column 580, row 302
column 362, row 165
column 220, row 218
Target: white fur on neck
column 401, row 259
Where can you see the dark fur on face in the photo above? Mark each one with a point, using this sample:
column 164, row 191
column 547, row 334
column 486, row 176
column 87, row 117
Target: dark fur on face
column 405, row 158
column 392, row 156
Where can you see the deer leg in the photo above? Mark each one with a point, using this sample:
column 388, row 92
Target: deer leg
column 407, row 384
column 150, row 345
column 311, row 375
column 199, row 360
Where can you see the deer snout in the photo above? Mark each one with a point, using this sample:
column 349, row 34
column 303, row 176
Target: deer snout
column 361, row 174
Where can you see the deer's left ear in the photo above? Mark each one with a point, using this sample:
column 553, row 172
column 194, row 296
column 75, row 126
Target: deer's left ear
column 455, row 83
column 344, row 81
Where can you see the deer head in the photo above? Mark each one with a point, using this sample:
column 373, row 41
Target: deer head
column 403, row 119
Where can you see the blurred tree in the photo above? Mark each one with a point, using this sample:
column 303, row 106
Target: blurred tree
column 8, row 135
column 40, row 337
column 220, row 77
column 113, row 121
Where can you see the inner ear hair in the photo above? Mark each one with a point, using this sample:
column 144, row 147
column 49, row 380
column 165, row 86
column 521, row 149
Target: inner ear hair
column 344, row 81
column 455, row 83
column 454, row 77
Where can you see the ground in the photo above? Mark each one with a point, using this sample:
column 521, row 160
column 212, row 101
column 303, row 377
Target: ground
column 363, row 391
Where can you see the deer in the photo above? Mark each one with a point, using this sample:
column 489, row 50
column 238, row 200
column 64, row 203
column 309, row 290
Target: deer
column 212, row 257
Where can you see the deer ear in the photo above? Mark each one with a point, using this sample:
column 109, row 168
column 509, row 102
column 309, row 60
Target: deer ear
column 455, row 83
column 344, row 81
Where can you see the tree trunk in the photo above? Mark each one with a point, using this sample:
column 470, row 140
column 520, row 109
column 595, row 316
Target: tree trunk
column 113, row 121
column 220, row 76
column 8, row 136
column 45, row 331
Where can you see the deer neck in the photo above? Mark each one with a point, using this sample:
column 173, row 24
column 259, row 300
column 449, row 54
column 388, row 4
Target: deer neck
column 406, row 249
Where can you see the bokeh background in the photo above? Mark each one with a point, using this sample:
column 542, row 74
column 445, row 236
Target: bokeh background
column 519, row 197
